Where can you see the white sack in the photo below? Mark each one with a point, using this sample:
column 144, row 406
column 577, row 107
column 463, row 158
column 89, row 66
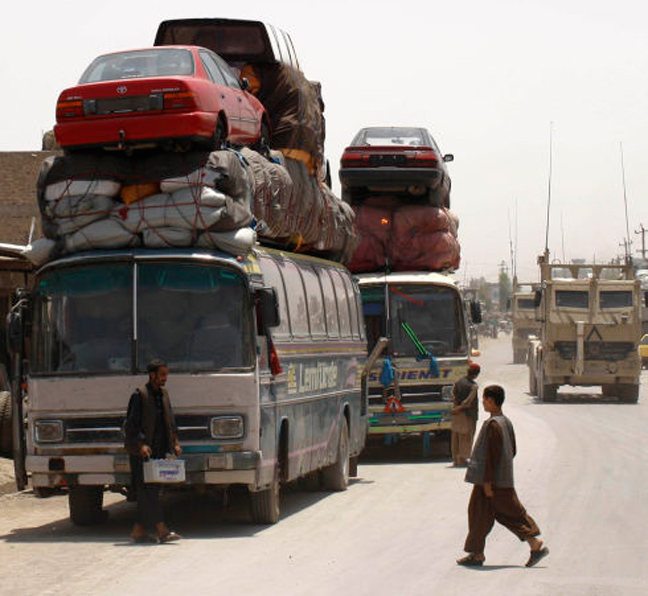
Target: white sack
column 165, row 237
column 75, row 211
column 70, row 187
column 105, row 233
column 39, row 251
column 237, row 242
column 192, row 208
column 204, row 176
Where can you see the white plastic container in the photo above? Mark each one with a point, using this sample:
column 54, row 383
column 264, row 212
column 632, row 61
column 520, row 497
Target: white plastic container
column 164, row 471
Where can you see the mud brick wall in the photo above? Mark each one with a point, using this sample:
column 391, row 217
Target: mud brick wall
column 18, row 205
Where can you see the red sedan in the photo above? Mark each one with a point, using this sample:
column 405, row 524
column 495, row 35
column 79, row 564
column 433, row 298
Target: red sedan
column 171, row 95
column 395, row 160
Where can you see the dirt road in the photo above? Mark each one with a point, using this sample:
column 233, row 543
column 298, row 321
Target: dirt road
column 580, row 472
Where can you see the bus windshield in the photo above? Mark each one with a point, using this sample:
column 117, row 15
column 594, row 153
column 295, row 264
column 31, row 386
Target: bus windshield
column 88, row 319
column 433, row 313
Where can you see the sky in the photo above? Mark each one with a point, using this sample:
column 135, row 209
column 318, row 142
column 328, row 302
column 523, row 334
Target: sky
column 539, row 102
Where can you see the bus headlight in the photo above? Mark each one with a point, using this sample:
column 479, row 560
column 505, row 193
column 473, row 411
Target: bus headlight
column 48, row 431
column 226, row 427
column 446, row 393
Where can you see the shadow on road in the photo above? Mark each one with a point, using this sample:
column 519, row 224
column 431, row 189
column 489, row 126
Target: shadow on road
column 410, row 449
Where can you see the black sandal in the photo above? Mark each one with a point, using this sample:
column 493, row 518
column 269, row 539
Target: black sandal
column 537, row 555
column 470, row 560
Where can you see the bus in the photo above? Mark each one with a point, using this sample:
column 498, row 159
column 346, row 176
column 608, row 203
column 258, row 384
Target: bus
column 266, row 354
column 424, row 317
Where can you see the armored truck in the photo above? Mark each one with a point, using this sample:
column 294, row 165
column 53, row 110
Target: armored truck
column 525, row 325
column 590, row 325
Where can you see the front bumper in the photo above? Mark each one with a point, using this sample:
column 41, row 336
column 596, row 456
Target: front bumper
column 240, row 467
column 414, row 420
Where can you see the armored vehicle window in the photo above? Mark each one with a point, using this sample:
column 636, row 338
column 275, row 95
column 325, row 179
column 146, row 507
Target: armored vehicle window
column 616, row 299
column 526, row 303
column 572, row 299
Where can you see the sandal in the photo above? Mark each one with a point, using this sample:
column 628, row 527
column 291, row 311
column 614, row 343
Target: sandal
column 536, row 556
column 471, row 560
column 168, row 537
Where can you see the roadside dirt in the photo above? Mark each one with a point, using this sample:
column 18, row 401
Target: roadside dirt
column 7, row 480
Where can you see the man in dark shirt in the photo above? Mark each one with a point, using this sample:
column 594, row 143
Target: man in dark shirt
column 150, row 433
column 493, row 497
column 465, row 412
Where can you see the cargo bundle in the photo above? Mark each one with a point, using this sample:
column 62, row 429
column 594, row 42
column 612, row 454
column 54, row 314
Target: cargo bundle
column 224, row 199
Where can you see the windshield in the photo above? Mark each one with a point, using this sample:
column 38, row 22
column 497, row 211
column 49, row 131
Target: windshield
column 616, row 299
column 139, row 64
column 396, row 136
column 191, row 316
column 433, row 313
column 572, row 299
column 526, row 303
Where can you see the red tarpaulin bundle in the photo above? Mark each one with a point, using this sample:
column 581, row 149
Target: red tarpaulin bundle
column 405, row 238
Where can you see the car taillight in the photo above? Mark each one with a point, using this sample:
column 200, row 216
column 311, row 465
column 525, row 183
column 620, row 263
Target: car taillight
column 183, row 100
column 69, row 109
column 423, row 160
column 354, row 160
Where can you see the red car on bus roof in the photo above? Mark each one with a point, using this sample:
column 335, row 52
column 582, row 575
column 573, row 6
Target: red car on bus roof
column 171, row 95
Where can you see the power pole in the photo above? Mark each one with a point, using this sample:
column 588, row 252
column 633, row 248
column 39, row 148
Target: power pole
column 642, row 231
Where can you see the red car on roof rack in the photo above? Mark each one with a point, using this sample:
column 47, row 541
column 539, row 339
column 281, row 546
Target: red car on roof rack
column 395, row 160
column 172, row 95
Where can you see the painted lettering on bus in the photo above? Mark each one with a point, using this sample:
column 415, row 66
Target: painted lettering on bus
column 303, row 378
column 414, row 375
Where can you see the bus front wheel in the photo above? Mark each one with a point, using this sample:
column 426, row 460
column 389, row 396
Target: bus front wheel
column 336, row 476
column 265, row 504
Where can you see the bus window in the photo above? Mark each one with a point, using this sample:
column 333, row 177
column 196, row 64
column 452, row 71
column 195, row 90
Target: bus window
column 332, row 323
column 273, row 278
column 315, row 302
column 373, row 309
column 343, row 304
column 296, row 299
column 353, row 307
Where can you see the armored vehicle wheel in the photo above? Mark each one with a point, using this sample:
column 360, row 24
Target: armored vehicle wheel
column 533, row 383
column 336, row 476
column 548, row 393
column 265, row 505
column 609, row 390
column 86, row 505
column 628, row 394
column 519, row 356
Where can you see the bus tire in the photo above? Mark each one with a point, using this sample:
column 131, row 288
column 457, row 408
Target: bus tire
column 336, row 476
column 265, row 505
column 6, row 437
column 86, row 505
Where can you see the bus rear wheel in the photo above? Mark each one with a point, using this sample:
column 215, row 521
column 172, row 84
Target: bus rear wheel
column 336, row 476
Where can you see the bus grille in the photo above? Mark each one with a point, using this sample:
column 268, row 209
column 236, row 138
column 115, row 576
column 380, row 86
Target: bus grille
column 409, row 394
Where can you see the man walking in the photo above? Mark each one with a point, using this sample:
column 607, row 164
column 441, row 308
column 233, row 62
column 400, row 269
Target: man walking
column 150, row 433
column 464, row 415
column 493, row 497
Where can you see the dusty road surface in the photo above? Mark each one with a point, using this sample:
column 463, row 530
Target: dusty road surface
column 580, row 471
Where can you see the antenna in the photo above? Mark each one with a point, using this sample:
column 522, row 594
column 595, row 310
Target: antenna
column 549, row 187
column 628, row 249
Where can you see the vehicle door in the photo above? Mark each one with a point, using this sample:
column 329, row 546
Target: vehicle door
column 227, row 100
column 250, row 121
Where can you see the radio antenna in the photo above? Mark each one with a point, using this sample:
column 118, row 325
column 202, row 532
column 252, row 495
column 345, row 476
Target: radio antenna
column 549, row 188
column 628, row 251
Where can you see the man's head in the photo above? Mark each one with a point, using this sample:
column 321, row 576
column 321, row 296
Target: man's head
column 473, row 370
column 493, row 398
column 158, row 373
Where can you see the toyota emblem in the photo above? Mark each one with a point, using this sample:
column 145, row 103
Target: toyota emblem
column 122, row 89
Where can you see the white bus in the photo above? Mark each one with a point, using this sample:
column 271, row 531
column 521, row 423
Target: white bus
column 266, row 354
column 424, row 317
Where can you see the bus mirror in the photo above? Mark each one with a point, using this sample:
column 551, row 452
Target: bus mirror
column 269, row 307
column 475, row 311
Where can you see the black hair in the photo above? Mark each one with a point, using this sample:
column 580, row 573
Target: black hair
column 155, row 365
column 496, row 393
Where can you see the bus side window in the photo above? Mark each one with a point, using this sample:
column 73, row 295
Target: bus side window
column 342, row 303
column 273, row 278
column 315, row 302
column 332, row 323
column 296, row 296
column 353, row 307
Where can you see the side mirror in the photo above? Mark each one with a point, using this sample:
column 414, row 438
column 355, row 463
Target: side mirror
column 475, row 312
column 245, row 84
column 268, row 307
column 448, row 157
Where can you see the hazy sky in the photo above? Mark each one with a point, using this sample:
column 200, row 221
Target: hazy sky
column 489, row 79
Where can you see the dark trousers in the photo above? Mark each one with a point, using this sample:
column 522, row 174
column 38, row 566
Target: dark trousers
column 149, row 509
column 505, row 508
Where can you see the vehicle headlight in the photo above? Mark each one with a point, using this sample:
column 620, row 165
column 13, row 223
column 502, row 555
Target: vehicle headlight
column 48, row 431
column 446, row 393
column 226, row 427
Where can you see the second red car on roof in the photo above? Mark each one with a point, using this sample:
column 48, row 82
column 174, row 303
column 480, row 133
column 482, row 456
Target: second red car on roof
column 172, row 95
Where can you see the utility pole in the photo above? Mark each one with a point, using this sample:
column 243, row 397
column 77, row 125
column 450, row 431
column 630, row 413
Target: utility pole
column 642, row 231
